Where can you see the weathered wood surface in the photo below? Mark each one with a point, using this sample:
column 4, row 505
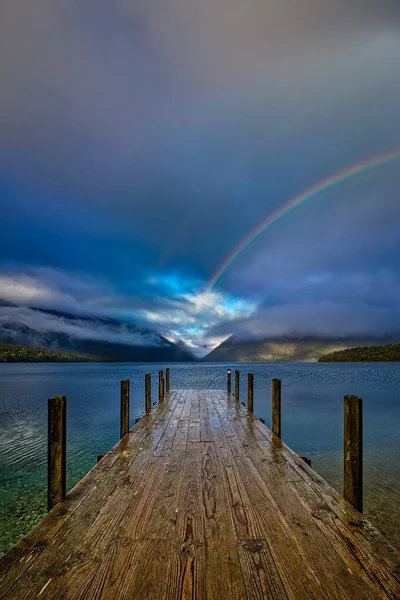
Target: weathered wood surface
column 276, row 407
column 201, row 500
column 250, row 392
column 124, row 419
column 147, row 392
column 56, row 450
column 353, row 452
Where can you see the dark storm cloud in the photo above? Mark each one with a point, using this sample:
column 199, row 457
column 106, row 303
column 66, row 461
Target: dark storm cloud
column 173, row 128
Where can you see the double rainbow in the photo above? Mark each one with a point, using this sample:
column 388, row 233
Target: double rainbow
column 315, row 190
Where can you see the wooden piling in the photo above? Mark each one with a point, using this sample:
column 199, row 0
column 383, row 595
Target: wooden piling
column 353, row 452
column 147, row 392
column 276, row 407
column 228, row 381
column 237, row 391
column 160, row 386
column 250, row 391
column 56, row 450
column 167, row 381
column 124, row 420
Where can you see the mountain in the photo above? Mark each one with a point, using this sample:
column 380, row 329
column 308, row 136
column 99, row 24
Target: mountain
column 107, row 338
column 306, row 349
column 386, row 353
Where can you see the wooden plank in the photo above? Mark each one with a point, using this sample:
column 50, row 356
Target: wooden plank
column 261, row 576
column 205, row 425
column 359, row 561
column 243, row 516
column 81, row 547
column 312, row 544
column 223, row 573
column 298, row 578
column 362, row 531
column 324, row 557
column 160, row 569
column 166, row 515
column 96, row 485
column 163, row 517
column 122, row 517
column 165, row 444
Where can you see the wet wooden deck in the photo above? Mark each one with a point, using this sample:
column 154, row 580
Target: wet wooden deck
column 200, row 500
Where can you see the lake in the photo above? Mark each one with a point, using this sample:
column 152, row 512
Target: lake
column 312, row 424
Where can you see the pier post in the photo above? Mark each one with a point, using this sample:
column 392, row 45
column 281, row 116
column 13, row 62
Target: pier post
column 237, row 392
column 167, row 381
column 56, row 450
column 160, row 386
column 228, row 381
column 124, row 408
column 276, row 407
column 250, row 391
column 147, row 392
column 353, row 452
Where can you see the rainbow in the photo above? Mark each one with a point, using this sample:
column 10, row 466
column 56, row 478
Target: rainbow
column 312, row 192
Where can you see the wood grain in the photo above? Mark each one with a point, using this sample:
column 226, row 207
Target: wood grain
column 201, row 501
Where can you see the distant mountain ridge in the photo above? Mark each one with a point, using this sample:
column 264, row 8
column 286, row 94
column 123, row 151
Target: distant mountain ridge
column 108, row 338
column 305, row 349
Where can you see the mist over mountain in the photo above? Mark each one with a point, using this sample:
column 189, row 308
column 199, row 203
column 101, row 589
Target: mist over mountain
column 285, row 348
column 103, row 337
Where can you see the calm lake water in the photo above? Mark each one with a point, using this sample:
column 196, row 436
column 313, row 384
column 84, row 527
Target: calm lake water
column 312, row 413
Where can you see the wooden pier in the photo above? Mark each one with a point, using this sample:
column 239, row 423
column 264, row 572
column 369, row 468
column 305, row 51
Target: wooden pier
column 201, row 500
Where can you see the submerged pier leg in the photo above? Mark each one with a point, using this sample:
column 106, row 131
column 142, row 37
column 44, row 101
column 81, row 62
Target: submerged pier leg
column 353, row 452
column 250, row 391
column 147, row 394
column 57, row 450
column 276, row 407
column 124, row 419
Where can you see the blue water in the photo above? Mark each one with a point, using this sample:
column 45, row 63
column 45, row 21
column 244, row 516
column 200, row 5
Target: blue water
column 312, row 415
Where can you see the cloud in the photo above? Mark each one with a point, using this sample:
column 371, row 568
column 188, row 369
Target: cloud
column 175, row 308
column 141, row 141
column 15, row 319
column 148, row 110
column 318, row 319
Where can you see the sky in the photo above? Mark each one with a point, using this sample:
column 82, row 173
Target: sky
column 141, row 142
